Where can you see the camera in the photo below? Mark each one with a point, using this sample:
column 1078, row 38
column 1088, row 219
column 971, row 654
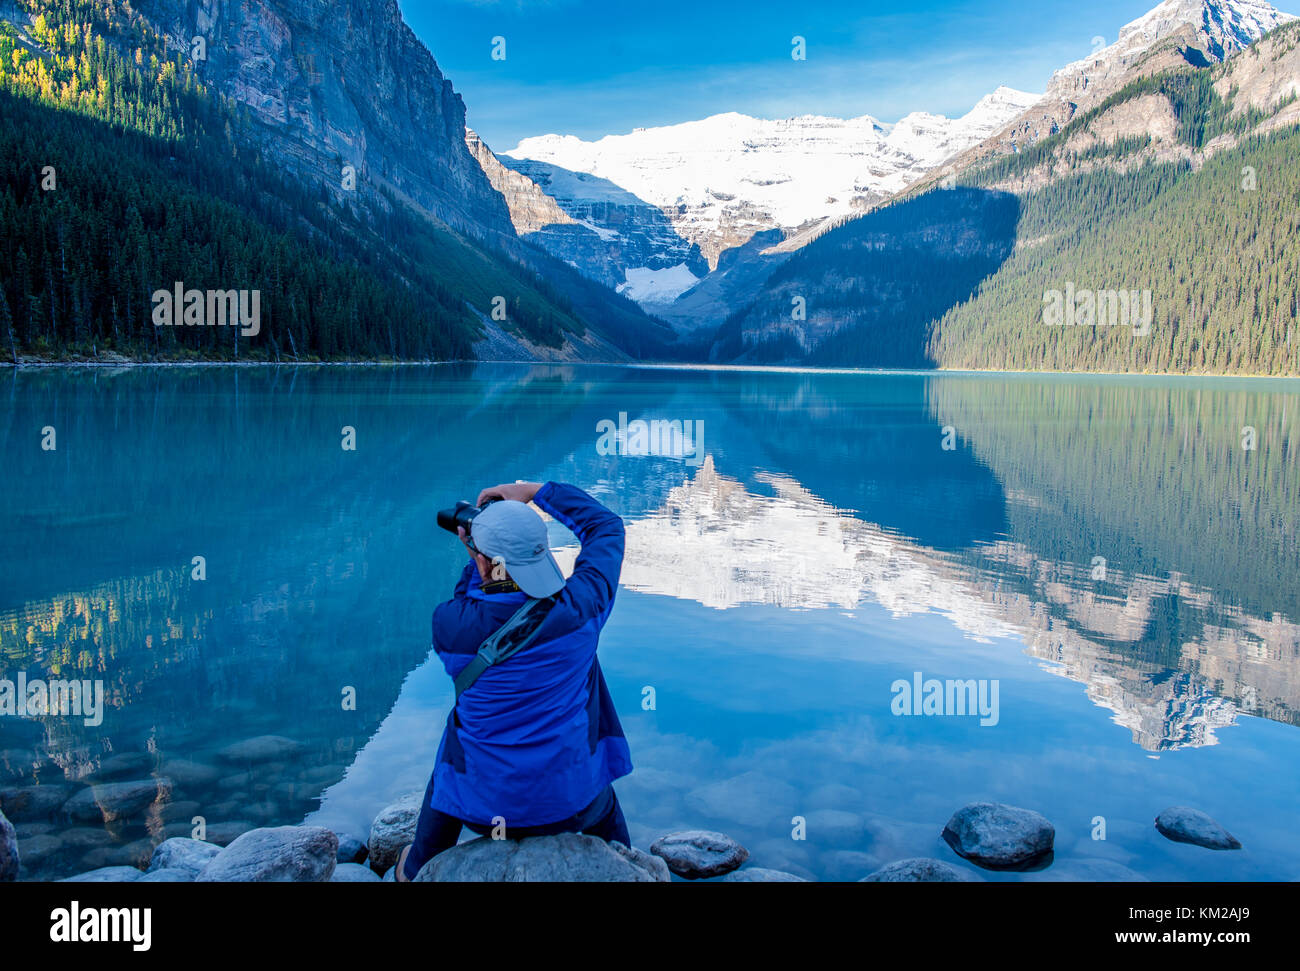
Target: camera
column 460, row 515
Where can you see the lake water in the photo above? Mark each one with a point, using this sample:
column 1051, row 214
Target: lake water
column 1102, row 550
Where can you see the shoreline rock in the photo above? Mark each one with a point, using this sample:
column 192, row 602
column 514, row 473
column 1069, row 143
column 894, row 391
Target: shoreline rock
column 299, row 854
column 920, row 869
column 9, row 862
column 182, row 853
column 1000, row 837
column 392, row 829
column 566, row 858
column 698, row 854
column 354, row 873
column 759, row 874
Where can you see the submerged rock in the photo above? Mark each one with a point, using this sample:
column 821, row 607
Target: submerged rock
column 9, row 865
column 758, row 874
column 107, row 874
column 85, row 837
column 35, row 850
column 183, row 811
column 115, row 800
column 1088, row 871
column 1182, row 824
column 566, row 858
column 920, row 870
column 999, row 836
column 392, row 829
column 225, row 833
column 697, row 854
column 278, row 855
column 125, row 763
column 182, row 853
column 190, row 775
column 22, row 803
column 354, row 873
column 263, row 748
column 134, row 854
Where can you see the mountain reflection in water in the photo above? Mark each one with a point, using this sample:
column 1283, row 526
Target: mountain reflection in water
column 827, row 546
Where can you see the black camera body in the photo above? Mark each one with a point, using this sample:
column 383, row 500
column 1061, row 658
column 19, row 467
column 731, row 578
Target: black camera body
column 460, row 516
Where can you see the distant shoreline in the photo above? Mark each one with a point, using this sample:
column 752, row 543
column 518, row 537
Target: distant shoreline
column 647, row 365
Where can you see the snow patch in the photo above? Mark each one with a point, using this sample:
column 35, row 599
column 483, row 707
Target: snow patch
column 645, row 285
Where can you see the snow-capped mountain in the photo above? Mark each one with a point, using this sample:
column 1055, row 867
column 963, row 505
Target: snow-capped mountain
column 1216, row 28
column 723, row 178
column 1174, row 34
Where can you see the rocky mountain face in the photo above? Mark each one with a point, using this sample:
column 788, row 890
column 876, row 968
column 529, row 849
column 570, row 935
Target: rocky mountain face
column 1263, row 79
column 606, row 231
column 1204, row 31
column 342, row 84
column 531, row 209
column 1176, row 33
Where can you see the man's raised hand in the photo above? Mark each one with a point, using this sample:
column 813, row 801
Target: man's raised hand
column 518, row 491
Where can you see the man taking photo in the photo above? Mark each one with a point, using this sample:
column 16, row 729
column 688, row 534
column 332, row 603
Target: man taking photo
column 532, row 744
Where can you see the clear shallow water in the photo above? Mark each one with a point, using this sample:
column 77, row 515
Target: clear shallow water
column 825, row 547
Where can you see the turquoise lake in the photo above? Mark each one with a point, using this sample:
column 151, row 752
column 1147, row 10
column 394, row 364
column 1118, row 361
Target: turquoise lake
column 1118, row 556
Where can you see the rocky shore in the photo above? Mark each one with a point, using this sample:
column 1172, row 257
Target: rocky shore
column 991, row 836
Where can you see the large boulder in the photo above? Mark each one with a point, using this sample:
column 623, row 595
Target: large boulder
column 919, row 870
column 115, row 800
column 565, row 858
column 758, row 874
column 281, row 854
column 182, row 853
column 392, row 829
column 263, row 748
column 8, row 851
column 107, row 874
column 698, row 854
column 999, row 836
column 1182, row 824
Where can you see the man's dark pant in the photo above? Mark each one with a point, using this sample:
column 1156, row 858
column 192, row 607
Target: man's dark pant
column 436, row 831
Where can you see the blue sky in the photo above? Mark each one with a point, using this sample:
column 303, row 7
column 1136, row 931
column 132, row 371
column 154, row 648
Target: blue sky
column 595, row 68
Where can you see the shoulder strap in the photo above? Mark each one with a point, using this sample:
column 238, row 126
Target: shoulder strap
column 499, row 646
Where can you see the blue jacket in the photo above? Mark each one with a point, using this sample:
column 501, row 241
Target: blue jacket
column 536, row 738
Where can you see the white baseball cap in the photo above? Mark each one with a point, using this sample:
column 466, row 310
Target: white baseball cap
column 512, row 531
